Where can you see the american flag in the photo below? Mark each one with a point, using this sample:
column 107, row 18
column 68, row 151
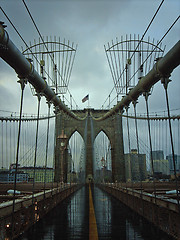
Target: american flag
column 85, row 98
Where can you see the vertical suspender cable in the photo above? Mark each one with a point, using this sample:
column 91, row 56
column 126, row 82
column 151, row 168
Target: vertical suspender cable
column 23, row 142
column 165, row 82
column 159, row 128
column 47, row 141
column 137, row 140
column 35, row 152
column 10, row 150
column 74, row 151
column 6, row 146
column 14, row 140
column 20, row 147
column 2, row 145
column 22, row 82
column 129, row 142
column 166, row 137
column 26, row 144
column 109, row 101
column 178, row 137
column 146, row 95
column 54, row 144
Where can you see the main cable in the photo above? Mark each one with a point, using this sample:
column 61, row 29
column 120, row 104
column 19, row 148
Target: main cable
column 169, row 29
column 156, row 46
column 43, row 41
column 22, row 39
column 147, row 28
column 18, row 33
column 141, row 40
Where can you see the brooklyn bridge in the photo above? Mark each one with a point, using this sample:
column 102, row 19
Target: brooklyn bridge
column 111, row 172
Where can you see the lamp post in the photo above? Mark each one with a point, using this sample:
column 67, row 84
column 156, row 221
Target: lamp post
column 103, row 166
column 63, row 139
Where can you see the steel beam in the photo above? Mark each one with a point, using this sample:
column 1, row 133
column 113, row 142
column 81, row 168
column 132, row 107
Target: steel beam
column 23, row 67
column 162, row 68
column 10, row 54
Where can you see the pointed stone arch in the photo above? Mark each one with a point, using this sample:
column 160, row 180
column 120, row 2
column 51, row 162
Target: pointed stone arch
column 105, row 147
column 111, row 126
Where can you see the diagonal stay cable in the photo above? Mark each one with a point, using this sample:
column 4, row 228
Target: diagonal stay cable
column 142, row 36
column 157, row 45
column 22, row 38
column 41, row 37
column 18, row 33
column 37, row 29
column 169, row 29
column 147, row 28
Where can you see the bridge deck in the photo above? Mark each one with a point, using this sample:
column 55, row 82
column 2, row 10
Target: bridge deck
column 75, row 216
column 71, row 220
column 160, row 210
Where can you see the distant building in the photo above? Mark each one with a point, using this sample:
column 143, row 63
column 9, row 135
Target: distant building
column 127, row 158
column 9, row 176
column 171, row 165
column 135, row 166
column 158, row 155
column 132, row 167
column 103, row 174
column 142, row 166
column 40, row 173
column 161, row 166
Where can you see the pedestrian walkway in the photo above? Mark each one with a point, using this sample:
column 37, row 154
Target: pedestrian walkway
column 92, row 209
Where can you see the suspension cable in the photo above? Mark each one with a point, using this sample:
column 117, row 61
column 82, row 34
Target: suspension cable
column 141, row 39
column 108, row 96
column 47, row 142
column 165, row 82
column 22, row 39
column 147, row 28
column 137, row 142
column 14, row 27
column 35, row 151
column 22, row 83
column 37, row 30
column 146, row 95
column 153, row 49
column 156, row 46
column 2, row 146
column 43, row 41
column 6, row 146
column 129, row 142
column 10, row 133
column 137, row 139
column 28, row 46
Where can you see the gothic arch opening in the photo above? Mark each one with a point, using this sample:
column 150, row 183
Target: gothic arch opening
column 102, row 161
column 76, row 158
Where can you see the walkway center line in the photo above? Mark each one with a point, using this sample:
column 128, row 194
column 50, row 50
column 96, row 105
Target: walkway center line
column 93, row 233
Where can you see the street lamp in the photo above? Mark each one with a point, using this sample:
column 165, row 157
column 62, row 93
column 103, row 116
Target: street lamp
column 63, row 139
column 103, row 166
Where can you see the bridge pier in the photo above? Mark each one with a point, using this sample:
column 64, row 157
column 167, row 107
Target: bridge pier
column 89, row 128
column 118, row 167
column 89, row 151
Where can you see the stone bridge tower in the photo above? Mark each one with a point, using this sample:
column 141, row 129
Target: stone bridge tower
column 89, row 128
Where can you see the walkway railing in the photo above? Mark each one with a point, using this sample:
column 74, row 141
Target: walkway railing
column 162, row 212
column 27, row 213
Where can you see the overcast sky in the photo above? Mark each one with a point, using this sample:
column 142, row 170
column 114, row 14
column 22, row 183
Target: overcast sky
column 91, row 24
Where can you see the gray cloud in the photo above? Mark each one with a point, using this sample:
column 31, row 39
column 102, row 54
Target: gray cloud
column 90, row 24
